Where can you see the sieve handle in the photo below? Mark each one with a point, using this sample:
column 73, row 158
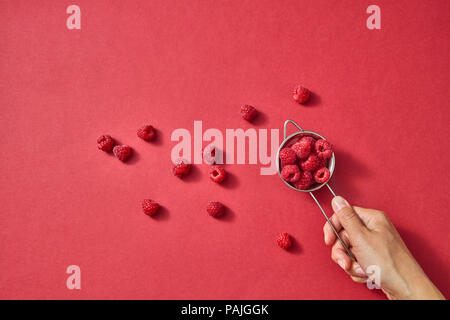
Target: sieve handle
column 285, row 127
column 329, row 222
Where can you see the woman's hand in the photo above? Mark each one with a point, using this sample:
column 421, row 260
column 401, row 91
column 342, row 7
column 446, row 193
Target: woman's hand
column 373, row 240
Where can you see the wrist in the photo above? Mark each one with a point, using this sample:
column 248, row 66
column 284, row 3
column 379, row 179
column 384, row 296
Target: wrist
column 413, row 283
column 420, row 287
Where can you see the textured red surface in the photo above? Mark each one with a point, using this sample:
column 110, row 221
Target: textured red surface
column 381, row 97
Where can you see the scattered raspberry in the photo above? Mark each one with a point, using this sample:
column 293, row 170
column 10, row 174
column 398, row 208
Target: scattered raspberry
column 122, row 152
column 287, row 156
column 149, row 207
column 181, row 168
column 290, row 173
column 215, row 209
column 248, row 112
column 303, row 147
column 305, row 181
column 105, row 143
column 284, row 240
column 217, row 174
column 310, row 164
column 323, row 149
column 147, row 132
column 301, row 94
column 322, row 175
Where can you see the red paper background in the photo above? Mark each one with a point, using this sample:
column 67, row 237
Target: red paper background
column 380, row 96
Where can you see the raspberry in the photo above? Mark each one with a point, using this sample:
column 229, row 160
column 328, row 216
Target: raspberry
column 323, row 162
column 301, row 94
column 310, row 164
column 105, row 143
column 217, row 174
column 287, row 156
column 290, row 173
column 181, row 168
column 323, row 149
column 305, row 181
column 248, row 112
column 284, row 240
column 322, row 175
column 146, row 132
column 149, row 207
column 122, row 152
column 303, row 147
column 215, row 209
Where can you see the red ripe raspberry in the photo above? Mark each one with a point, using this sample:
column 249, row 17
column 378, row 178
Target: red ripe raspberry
column 323, row 162
column 248, row 112
column 217, row 174
column 322, row 175
column 290, row 173
column 303, row 147
column 215, row 209
column 310, row 164
column 305, row 181
column 105, row 143
column 181, row 168
column 146, row 132
column 301, row 94
column 122, row 152
column 287, row 156
column 149, row 207
column 284, row 240
column 323, row 149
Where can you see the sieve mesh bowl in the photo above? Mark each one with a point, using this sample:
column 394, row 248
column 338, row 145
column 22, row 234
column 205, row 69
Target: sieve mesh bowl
column 294, row 137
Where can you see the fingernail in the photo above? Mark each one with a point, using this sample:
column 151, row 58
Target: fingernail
column 360, row 271
column 325, row 238
column 339, row 203
column 341, row 263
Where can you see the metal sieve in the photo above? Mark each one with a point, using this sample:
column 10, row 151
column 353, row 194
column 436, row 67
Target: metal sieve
column 287, row 140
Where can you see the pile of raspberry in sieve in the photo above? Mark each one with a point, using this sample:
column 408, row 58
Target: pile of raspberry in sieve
column 305, row 162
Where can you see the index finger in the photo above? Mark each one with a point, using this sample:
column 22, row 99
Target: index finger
column 328, row 233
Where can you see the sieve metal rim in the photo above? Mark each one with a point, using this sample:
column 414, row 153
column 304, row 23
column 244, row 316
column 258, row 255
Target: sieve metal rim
column 331, row 163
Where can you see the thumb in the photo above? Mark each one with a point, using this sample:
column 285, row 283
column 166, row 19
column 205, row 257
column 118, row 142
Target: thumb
column 347, row 217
